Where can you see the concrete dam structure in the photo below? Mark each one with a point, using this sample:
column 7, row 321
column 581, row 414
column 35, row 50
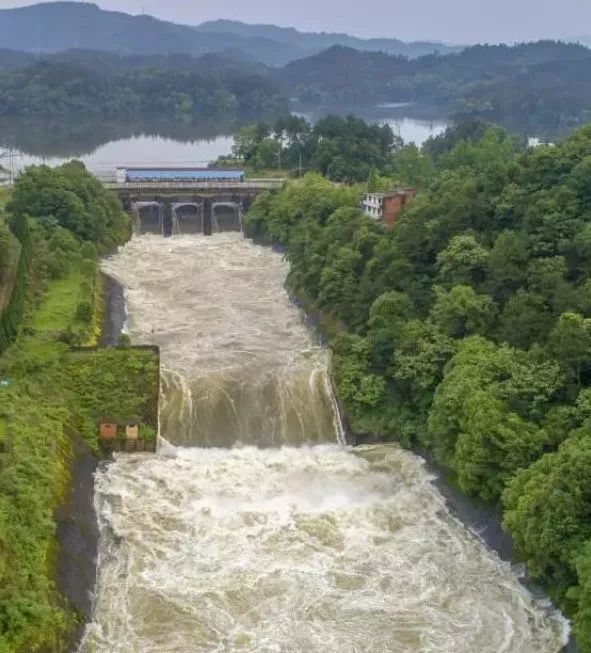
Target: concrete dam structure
column 187, row 216
column 187, row 201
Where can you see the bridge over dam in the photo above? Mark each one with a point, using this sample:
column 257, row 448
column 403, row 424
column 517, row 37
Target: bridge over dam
column 190, row 206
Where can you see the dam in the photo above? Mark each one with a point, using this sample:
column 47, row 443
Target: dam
column 182, row 201
column 255, row 528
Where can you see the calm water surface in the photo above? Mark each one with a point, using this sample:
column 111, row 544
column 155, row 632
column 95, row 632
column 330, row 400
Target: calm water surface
column 102, row 147
column 137, row 150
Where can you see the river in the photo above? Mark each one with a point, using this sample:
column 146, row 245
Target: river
column 254, row 528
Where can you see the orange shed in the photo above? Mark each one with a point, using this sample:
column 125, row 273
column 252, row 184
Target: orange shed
column 107, row 430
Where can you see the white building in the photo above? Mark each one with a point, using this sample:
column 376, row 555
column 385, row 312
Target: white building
column 373, row 206
column 386, row 207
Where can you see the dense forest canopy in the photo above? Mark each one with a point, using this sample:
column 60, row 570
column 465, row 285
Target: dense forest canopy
column 545, row 84
column 349, row 150
column 176, row 87
column 343, row 149
column 466, row 329
column 546, row 81
column 71, row 198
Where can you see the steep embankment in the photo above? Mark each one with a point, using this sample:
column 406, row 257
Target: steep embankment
column 51, row 398
column 10, row 250
column 13, row 263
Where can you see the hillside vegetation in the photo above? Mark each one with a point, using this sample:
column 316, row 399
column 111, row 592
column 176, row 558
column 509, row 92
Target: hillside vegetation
column 52, row 397
column 343, row 149
column 9, row 256
column 533, row 86
column 177, row 88
column 466, row 330
column 546, row 82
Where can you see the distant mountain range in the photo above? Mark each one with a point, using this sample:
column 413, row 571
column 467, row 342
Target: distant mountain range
column 59, row 26
column 308, row 43
column 582, row 39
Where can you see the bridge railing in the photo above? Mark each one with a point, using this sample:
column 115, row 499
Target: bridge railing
column 253, row 184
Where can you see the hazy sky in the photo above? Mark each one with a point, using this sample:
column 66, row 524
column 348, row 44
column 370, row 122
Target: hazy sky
column 461, row 21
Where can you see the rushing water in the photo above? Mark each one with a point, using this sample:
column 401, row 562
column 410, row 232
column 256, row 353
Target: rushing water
column 306, row 547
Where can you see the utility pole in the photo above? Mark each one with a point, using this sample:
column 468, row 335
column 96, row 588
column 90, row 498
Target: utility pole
column 10, row 157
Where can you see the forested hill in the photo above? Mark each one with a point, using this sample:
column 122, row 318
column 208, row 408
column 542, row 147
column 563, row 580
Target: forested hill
column 99, row 84
column 307, row 43
column 107, row 63
column 546, row 79
column 59, row 26
column 466, row 330
column 75, row 57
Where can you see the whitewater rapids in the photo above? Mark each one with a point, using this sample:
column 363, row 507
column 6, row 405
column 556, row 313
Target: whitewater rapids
column 256, row 530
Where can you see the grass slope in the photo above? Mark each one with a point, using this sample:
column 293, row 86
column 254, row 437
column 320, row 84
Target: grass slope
column 54, row 397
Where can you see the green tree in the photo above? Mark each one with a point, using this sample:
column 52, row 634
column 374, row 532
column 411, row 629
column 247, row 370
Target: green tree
column 75, row 199
column 338, row 282
column 492, row 445
column 463, row 261
column 358, row 387
column 547, row 510
column 461, row 312
column 419, row 360
column 506, row 263
column 570, row 343
column 547, row 278
column 388, row 316
column 581, row 594
column 519, row 384
column 525, row 320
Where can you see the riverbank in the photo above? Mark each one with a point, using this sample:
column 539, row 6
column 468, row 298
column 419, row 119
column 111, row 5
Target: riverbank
column 485, row 521
column 76, row 519
column 55, row 396
column 78, row 537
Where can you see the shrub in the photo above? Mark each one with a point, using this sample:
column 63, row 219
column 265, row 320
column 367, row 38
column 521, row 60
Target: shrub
column 84, row 311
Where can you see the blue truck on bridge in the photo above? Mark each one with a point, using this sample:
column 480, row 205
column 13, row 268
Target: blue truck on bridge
column 154, row 175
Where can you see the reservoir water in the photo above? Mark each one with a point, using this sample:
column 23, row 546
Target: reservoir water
column 138, row 150
column 103, row 147
column 254, row 528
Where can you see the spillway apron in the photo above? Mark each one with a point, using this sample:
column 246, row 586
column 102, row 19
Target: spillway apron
column 254, row 530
